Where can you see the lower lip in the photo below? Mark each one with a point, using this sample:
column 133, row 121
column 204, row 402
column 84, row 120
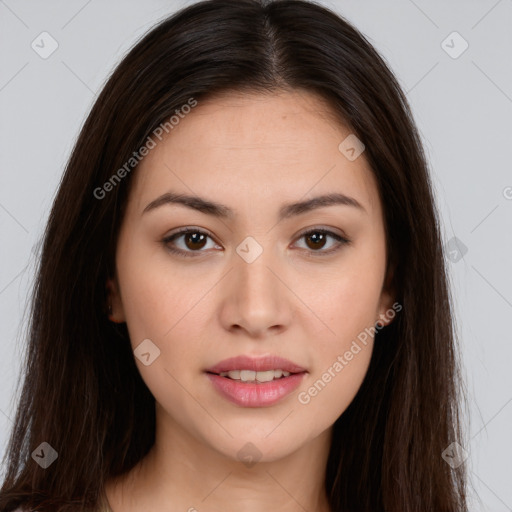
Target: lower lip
column 253, row 394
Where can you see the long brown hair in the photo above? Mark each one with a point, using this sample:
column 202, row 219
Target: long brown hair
column 82, row 392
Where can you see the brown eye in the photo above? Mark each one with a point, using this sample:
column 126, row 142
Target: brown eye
column 190, row 240
column 194, row 240
column 315, row 240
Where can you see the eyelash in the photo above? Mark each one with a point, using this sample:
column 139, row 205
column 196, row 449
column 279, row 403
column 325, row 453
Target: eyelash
column 341, row 241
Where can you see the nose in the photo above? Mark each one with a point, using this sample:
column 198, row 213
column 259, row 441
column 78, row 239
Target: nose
column 257, row 299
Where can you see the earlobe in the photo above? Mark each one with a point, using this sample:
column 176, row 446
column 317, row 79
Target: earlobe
column 387, row 305
column 386, row 310
column 114, row 302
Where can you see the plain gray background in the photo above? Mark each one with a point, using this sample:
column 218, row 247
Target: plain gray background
column 462, row 103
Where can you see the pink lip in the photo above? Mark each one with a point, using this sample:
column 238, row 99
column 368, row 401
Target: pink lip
column 256, row 364
column 247, row 394
column 262, row 394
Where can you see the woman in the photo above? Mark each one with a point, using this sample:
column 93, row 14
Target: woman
column 242, row 294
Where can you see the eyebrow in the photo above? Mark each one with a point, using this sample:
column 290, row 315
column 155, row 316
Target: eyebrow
column 224, row 212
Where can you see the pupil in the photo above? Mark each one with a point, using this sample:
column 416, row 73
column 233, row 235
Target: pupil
column 318, row 237
column 196, row 238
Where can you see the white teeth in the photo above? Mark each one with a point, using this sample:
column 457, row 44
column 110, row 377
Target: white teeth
column 265, row 376
column 247, row 375
column 252, row 376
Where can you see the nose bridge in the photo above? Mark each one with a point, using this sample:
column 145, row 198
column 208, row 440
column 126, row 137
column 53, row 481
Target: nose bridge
column 255, row 281
column 258, row 300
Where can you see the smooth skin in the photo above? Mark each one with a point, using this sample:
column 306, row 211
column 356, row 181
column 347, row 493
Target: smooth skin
column 305, row 298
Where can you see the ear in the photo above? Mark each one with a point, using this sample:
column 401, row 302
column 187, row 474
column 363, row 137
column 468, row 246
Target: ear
column 387, row 306
column 115, row 304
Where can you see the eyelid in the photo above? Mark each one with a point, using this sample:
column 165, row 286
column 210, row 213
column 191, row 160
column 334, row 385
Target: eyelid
column 323, row 229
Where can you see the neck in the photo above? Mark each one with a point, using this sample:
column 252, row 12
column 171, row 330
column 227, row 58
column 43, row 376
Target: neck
column 182, row 473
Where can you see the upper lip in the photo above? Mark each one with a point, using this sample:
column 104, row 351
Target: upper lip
column 257, row 364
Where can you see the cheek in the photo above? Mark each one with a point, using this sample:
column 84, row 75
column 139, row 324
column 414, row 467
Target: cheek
column 348, row 305
column 157, row 297
column 342, row 357
column 161, row 305
column 348, row 299
column 330, row 391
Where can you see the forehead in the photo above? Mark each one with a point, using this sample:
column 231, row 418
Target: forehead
column 246, row 146
column 246, row 121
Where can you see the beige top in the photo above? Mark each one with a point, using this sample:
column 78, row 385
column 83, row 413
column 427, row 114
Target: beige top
column 103, row 507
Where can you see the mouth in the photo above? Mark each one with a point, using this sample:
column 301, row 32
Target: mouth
column 255, row 382
column 253, row 392
column 254, row 377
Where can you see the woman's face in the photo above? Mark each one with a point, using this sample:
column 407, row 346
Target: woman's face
column 255, row 276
